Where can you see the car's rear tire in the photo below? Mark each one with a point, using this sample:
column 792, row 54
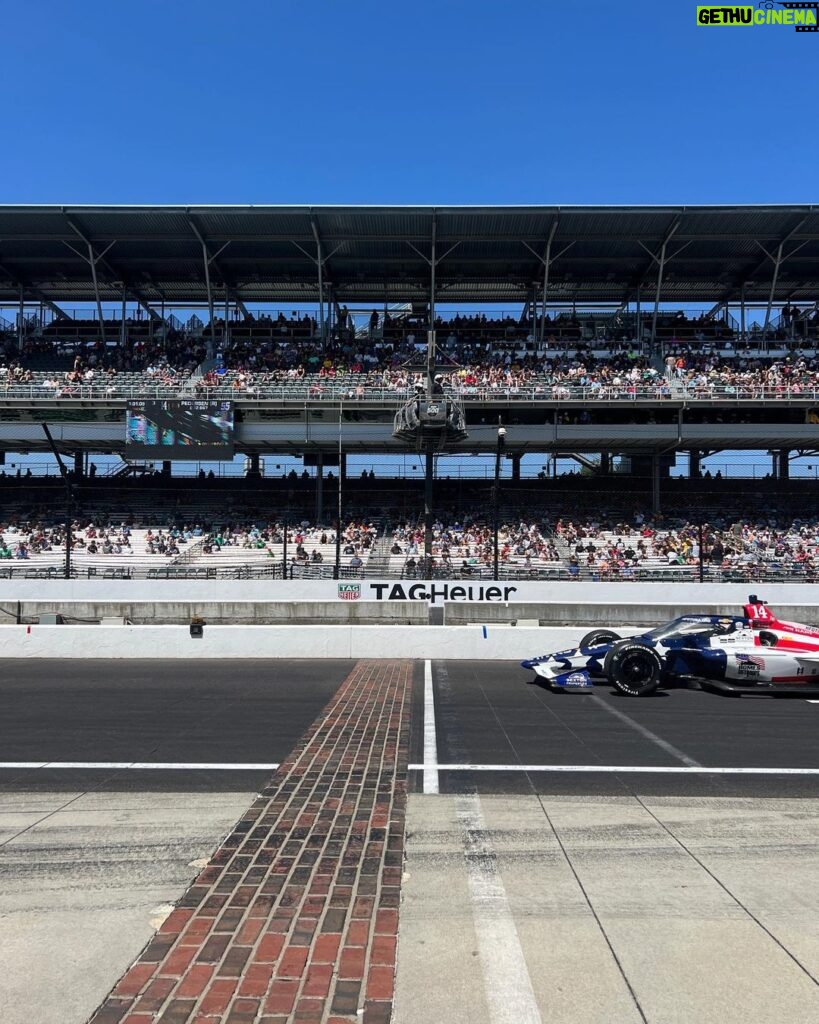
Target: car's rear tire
column 633, row 668
column 597, row 637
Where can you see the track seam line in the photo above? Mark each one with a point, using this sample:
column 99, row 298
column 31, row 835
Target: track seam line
column 572, row 868
column 664, row 745
column 726, row 890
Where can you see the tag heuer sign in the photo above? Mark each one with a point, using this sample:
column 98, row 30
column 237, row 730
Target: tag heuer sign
column 349, row 591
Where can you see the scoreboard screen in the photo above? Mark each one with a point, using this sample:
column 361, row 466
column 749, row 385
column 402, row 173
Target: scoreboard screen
column 179, row 429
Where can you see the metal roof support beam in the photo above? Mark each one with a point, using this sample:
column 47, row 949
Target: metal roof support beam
column 546, row 260
column 431, row 345
column 207, row 259
column 432, row 260
column 774, row 279
column 742, row 310
column 777, row 261
column 547, row 264
column 92, row 262
column 20, row 320
column 320, row 259
column 751, row 273
column 659, row 289
column 661, row 261
column 206, row 264
column 46, row 301
column 122, row 337
column 92, row 259
column 320, row 269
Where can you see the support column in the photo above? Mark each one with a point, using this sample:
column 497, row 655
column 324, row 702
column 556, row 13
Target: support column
column 342, row 466
column 21, row 316
column 429, row 477
column 655, row 483
column 253, row 470
column 122, row 331
column 166, row 468
column 694, row 461
column 605, row 463
column 657, row 299
column 516, row 467
column 784, row 464
column 777, row 265
column 92, row 261
column 206, row 262
column 547, row 263
column 320, row 488
column 78, row 465
column 742, row 311
column 431, row 356
column 322, row 322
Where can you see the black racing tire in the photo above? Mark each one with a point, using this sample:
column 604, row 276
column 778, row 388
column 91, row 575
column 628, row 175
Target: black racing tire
column 633, row 668
column 597, row 637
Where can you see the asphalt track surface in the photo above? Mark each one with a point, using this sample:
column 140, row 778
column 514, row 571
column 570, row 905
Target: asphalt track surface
column 494, row 714
column 201, row 712
column 488, row 714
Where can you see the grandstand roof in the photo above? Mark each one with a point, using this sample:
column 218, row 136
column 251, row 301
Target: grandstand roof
column 267, row 254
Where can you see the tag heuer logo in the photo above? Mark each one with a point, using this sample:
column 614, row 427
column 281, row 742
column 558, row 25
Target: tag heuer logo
column 349, row 591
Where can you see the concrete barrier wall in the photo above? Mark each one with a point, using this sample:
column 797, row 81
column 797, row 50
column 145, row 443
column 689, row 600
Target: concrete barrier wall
column 634, row 616
column 164, row 643
column 234, row 612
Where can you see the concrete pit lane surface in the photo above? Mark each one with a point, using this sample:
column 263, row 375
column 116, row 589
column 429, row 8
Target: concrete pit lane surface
column 559, row 857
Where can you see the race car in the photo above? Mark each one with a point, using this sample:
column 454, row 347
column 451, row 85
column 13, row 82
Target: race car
column 750, row 653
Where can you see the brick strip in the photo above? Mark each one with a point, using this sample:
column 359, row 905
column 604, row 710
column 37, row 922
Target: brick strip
column 295, row 917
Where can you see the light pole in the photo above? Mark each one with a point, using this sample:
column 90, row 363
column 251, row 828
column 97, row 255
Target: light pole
column 341, row 474
column 496, row 498
column 69, row 500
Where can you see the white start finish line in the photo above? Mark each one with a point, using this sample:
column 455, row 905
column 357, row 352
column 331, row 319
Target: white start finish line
column 165, row 766
column 618, row 768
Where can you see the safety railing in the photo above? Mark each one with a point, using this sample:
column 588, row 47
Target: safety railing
column 316, row 394
column 752, row 573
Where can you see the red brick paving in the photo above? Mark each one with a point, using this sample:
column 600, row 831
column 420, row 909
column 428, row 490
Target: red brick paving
column 295, row 918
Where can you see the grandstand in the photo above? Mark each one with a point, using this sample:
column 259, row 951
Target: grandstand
column 618, row 337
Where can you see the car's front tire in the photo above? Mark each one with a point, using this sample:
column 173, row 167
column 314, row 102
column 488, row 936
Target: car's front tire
column 633, row 668
column 597, row 637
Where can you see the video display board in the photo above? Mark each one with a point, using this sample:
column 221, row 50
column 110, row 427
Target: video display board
column 179, row 429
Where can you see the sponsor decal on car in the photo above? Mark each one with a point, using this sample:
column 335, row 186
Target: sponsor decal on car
column 749, row 666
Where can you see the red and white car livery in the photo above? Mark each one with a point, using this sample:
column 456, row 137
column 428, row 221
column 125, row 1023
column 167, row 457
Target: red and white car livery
column 752, row 653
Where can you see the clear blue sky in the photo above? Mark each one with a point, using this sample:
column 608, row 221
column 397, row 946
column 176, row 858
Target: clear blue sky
column 260, row 101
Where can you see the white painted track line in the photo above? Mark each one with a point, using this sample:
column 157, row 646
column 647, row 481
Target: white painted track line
column 166, row 766
column 510, row 997
column 430, row 736
column 615, row 768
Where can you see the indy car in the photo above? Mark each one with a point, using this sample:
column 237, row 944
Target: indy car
column 735, row 654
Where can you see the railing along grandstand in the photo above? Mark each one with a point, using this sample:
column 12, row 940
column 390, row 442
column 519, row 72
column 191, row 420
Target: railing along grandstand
column 355, row 391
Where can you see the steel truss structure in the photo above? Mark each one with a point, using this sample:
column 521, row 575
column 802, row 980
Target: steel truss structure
column 235, row 255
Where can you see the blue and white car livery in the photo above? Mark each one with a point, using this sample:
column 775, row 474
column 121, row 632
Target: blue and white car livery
column 751, row 653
